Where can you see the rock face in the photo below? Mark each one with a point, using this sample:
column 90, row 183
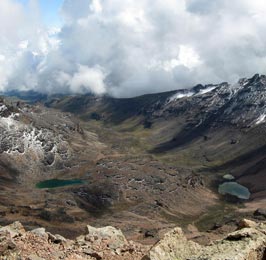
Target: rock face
column 248, row 243
column 34, row 139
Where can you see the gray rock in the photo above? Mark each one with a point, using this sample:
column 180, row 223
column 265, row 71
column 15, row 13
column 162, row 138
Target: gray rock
column 40, row 232
column 173, row 246
column 57, row 239
column 246, row 244
column 260, row 213
column 15, row 229
column 114, row 237
column 35, row 257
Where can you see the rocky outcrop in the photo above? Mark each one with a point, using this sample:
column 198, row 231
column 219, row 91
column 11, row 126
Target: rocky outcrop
column 113, row 236
column 100, row 243
column 109, row 243
column 245, row 244
column 34, row 139
column 174, row 245
column 248, row 243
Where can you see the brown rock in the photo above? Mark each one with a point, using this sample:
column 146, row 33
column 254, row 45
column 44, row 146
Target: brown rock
column 173, row 246
column 245, row 223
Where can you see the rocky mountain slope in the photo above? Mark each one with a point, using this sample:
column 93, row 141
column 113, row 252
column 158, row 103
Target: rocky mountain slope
column 144, row 164
column 215, row 128
column 42, row 144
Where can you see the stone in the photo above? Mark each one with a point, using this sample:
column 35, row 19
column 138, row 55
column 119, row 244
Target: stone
column 15, row 229
column 260, row 213
column 150, row 233
column 244, row 244
column 245, row 223
column 57, row 239
column 96, row 255
column 40, row 232
column 249, row 243
column 173, row 246
column 114, row 237
column 35, row 257
column 6, row 244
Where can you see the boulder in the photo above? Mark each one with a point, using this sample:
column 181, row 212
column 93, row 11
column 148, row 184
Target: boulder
column 173, row 246
column 57, row 239
column 15, row 229
column 249, row 243
column 40, row 232
column 245, row 244
column 260, row 213
column 246, row 223
column 114, row 237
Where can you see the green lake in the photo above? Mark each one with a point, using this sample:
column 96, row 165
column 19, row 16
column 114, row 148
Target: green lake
column 55, row 183
column 234, row 189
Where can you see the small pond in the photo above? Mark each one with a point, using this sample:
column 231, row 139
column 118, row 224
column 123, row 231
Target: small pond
column 234, row 189
column 55, row 183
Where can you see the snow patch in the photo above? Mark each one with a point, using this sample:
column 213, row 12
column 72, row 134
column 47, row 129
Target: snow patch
column 261, row 119
column 180, row 95
column 9, row 122
column 3, row 108
column 206, row 90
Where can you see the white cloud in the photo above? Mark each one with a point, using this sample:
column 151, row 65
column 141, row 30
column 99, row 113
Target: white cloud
column 131, row 47
column 88, row 79
column 134, row 19
column 96, row 6
column 2, row 58
column 23, row 45
column 187, row 57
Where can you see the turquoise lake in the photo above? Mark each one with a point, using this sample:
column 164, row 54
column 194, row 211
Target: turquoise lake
column 234, row 189
column 55, row 183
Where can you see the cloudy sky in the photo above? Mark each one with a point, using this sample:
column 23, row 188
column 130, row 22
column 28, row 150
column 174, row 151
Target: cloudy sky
column 129, row 47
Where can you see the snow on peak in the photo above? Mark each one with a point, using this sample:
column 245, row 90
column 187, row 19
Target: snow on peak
column 202, row 91
column 179, row 95
column 206, row 90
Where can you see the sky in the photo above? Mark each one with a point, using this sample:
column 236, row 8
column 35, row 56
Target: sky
column 127, row 48
column 49, row 9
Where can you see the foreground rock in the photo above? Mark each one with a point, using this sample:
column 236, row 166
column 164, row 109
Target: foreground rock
column 174, row 245
column 103, row 243
column 108, row 243
column 248, row 243
column 112, row 236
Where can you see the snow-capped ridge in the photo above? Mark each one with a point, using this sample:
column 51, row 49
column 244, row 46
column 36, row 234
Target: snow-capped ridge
column 242, row 104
